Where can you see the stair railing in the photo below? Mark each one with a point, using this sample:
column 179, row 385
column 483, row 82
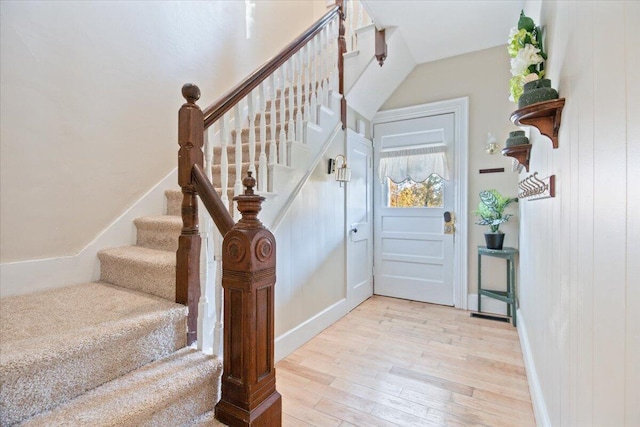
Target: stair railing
column 300, row 79
column 358, row 17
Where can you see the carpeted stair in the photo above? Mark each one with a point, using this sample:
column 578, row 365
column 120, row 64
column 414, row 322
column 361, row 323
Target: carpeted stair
column 110, row 353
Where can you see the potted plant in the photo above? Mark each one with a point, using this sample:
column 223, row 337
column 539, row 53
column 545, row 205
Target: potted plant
column 491, row 212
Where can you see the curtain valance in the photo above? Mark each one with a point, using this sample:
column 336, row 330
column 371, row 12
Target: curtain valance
column 416, row 164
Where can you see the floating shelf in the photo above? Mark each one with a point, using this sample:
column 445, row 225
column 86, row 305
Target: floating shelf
column 519, row 152
column 545, row 116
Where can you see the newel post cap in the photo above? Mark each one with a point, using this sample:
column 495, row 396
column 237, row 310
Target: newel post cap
column 191, row 92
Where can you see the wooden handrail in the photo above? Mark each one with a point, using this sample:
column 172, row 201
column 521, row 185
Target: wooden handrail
column 242, row 89
column 211, row 200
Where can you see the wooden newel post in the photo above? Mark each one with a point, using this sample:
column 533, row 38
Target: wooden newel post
column 249, row 396
column 342, row 49
column 191, row 140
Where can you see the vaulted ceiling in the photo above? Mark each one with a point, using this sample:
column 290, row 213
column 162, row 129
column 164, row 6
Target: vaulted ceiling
column 437, row 29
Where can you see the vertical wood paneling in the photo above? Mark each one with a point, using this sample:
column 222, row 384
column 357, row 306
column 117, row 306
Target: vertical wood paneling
column 610, row 208
column 632, row 364
column 577, row 298
column 584, row 144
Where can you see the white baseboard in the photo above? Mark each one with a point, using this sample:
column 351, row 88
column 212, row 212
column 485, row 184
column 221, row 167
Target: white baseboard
column 24, row 277
column 537, row 398
column 489, row 305
column 296, row 337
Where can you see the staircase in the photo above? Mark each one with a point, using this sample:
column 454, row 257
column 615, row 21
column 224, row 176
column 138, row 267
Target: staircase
column 114, row 352
column 108, row 353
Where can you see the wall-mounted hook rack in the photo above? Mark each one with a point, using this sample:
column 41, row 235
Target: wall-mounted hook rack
column 534, row 188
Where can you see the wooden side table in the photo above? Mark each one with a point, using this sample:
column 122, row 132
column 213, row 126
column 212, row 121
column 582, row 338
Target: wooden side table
column 508, row 296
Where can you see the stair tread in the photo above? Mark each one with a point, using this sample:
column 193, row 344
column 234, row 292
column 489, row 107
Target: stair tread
column 159, row 221
column 135, row 397
column 139, row 254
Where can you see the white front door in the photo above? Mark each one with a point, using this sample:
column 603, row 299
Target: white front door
column 413, row 257
column 359, row 218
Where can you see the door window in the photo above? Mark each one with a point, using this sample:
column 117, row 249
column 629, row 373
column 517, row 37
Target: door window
column 411, row 194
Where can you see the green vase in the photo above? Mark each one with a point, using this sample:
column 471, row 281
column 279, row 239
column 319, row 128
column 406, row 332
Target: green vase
column 537, row 91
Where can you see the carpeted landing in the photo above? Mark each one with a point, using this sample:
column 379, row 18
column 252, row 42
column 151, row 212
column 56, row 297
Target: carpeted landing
column 109, row 353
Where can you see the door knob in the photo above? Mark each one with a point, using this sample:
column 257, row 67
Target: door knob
column 449, row 223
column 354, row 229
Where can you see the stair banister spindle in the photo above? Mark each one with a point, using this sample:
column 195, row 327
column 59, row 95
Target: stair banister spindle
column 313, row 117
column 217, row 329
column 307, row 82
column 237, row 188
column 291, row 129
column 262, row 162
column 325, row 66
column 341, row 51
column 273, row 157
column 299, row 75
column 252, row 132
column 351, row 33
column 282, row 140
column 224, row 160
column 321, row 68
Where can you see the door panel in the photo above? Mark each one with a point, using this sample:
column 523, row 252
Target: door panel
column 413, row 256
column 359, row 218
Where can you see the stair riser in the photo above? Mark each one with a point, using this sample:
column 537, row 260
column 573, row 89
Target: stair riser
column 159, row 239
column 154, row 279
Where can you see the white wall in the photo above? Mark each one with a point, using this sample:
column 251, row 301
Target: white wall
column 482, row 76
column 311, row 273
column 580, row 256
column 90, row 94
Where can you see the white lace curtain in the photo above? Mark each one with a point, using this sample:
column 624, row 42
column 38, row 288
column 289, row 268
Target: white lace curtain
column 416, row 164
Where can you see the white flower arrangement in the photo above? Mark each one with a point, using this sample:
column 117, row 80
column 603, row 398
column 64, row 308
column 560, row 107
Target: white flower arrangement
column 527, row 55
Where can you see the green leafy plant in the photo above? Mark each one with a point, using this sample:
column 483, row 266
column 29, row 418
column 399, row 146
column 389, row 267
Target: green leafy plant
column 527, row 55
column 491, row 209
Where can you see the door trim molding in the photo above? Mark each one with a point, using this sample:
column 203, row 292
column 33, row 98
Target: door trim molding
column 460, row 109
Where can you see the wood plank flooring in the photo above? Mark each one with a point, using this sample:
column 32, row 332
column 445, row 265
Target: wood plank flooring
column 393, row 362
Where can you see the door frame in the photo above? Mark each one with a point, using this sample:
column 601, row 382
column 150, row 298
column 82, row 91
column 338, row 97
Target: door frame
column 460, row 109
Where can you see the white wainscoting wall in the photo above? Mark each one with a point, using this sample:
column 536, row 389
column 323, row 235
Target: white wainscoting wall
column 580, row 251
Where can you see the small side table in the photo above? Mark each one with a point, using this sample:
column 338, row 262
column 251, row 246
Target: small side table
column 508, row 296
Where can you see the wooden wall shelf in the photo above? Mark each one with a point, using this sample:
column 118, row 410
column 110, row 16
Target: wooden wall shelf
column 545, row 116
column 520, row 152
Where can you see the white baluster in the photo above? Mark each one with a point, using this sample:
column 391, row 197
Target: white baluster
column 333, row 55
column 272, row 142
column 217, row 329
column 252, row 133
column 291, row 129
column 313, row 117
column 262, row 163
column 299, row 125
column 237, row 188
column 307, row 82
column 282, row 141
column 224, row 160
column 350, row 30
column 325, row 66
column 205, row 221
column 361, row 16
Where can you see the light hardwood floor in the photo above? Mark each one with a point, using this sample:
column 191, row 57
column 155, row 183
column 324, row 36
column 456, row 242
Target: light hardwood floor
column 393, row 362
